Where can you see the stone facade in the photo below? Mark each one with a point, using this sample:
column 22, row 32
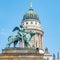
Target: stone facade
column 32, row 24
column 47, row 55
column 21, row 57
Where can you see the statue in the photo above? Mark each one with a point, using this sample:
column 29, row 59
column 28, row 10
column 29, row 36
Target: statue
column 22, row 35
column 13, row 39
column 28, row 37
column 21, row 30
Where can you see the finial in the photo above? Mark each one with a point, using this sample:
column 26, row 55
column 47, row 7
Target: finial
column 31, row 5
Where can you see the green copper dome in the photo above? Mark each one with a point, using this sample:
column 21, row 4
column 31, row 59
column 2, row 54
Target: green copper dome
column 31, row 14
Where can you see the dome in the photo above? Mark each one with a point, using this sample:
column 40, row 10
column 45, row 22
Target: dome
column 31, row 14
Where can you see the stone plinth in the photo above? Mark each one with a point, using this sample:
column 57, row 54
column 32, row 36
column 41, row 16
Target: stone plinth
column 19, row 50
column 20, row 54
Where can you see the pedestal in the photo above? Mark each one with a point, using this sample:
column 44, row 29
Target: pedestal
column 20, row 54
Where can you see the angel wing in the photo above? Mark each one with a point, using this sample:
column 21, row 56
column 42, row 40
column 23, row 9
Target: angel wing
column 16, row 28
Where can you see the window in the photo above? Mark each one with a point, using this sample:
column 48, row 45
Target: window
column 23, row 23
column 26, row 22
column 36, row 23
column 31, row 22
column 47, row 58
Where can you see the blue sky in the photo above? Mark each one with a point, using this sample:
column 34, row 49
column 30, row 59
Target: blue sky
column 11, row 15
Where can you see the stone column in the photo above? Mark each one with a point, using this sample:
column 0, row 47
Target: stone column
column 41, row 41
column 35, row 40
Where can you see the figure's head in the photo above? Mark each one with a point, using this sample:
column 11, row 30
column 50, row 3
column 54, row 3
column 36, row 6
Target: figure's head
column 32, row 33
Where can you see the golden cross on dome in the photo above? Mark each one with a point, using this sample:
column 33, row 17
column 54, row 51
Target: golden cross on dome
column 31, row 5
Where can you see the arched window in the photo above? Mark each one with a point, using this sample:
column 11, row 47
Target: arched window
column 36, row 44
